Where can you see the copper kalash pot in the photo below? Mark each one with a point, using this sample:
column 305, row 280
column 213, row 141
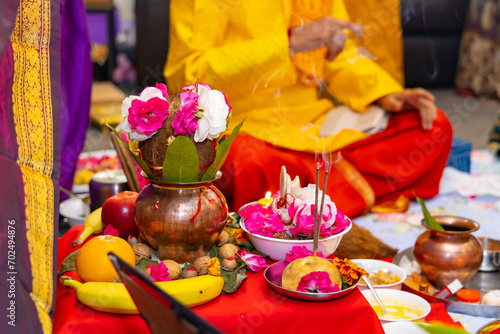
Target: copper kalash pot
column 450, row 254
column 181, row 220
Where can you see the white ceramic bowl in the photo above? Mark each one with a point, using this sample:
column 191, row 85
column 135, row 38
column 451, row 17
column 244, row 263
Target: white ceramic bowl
column 277, row 248
column 75, row 210
column 403, row 327
column 392, row 297
column 373, row 266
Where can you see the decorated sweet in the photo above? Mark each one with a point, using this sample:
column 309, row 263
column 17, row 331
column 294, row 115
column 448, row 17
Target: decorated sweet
column 297, row 275
column 309, row 272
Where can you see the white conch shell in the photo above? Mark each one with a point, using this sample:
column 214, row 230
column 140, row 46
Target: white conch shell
column 293, row 187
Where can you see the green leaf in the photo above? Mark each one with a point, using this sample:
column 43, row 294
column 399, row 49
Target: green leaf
column 431, row 221
column 68, row 264
column 181, row 162
column 214, row 251
column 140, row 162
column 221, row 155
column 144, row 263
column 438, row 328
column 233, row 279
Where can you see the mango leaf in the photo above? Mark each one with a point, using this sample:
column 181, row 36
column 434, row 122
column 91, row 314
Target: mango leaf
column 140, row 162
column 214, row 251
column 181, row 162
column 144, row 263
column 437, row 328
column 68, row 264
column 233, row 279
column 431, row 221
column 221, row 155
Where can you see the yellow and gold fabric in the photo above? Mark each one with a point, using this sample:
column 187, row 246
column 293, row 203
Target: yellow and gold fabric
column 29, row 165
column 241, row 48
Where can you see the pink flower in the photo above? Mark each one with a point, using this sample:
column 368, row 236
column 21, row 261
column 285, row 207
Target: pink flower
column 192, row 87
column 144, row 114
column 254, row 262
column 299, row 252
column 159, row 273
column 250, row 209
column 304, row 219
column 341, row 222
column 163, row 89
column 317, row 282
column 185, row 121
column 261, row 221
column 110, row 230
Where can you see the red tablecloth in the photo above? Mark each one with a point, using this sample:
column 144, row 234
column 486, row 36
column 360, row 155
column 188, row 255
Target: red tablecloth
column 254, row 308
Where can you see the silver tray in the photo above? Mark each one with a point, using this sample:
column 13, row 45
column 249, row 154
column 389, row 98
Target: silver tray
column 273, row 275
column 481, row 281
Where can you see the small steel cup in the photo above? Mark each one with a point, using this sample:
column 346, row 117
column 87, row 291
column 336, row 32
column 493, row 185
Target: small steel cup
column 105, row 184
column 491, row 254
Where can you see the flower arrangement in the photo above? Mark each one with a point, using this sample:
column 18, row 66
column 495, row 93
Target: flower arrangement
column 295, row 220
column 178, row 138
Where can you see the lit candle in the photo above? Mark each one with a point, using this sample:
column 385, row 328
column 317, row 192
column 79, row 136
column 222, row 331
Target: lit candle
column 266, row 201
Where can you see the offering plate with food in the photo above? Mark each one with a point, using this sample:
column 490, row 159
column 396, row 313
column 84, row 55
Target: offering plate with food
column 383, row 275
column 276, row 225
column 305, row 274
column 399, row 305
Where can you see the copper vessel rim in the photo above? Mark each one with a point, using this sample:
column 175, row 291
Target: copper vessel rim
column 469, row 222
column 218, row 175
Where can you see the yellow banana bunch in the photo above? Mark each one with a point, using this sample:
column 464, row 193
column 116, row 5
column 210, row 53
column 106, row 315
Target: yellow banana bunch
column 114, row 297
column 93, row 225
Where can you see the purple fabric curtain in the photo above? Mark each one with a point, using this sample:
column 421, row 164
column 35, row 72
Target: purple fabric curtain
column 63, row 124
column 15, row 264
column 76, row 85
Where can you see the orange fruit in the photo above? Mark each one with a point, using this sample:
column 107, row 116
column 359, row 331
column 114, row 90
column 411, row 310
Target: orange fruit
column 92, row 262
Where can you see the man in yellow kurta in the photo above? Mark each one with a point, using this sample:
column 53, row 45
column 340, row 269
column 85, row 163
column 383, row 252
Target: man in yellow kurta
column 257, row 53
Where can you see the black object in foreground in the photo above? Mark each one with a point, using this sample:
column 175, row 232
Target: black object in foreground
column 162, row 312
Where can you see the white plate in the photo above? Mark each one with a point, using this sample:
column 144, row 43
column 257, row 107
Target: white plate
column 75, row 210
column 372, row 266
column 84, row 188
column 403, row 328
column 392, row 297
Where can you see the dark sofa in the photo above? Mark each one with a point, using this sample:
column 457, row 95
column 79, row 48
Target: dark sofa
column 432, row 31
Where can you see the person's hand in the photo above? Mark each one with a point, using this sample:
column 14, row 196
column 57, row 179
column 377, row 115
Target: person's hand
column 327, row 31
column 416, row 98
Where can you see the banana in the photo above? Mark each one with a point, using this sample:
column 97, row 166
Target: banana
column 114, row 297
column 93, row 225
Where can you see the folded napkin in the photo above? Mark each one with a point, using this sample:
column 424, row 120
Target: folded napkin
column 342, row 117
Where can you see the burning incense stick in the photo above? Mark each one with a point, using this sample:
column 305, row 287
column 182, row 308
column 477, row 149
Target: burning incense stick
column 318, row 218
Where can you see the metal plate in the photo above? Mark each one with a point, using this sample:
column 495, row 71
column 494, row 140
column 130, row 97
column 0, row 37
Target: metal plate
column 481, row 281
column 490, row 327
column 273, row 275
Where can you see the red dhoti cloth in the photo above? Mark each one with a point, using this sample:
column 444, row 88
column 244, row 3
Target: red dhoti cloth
column 401, row 159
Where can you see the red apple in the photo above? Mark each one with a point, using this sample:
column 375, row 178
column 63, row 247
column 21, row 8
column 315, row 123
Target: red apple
column 118, row 211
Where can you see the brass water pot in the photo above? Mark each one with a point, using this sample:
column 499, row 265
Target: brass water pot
column 447, row 255
column 181, row 221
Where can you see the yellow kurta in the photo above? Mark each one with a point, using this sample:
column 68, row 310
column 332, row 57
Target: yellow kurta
column 241, row 48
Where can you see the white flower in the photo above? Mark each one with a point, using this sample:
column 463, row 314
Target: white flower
column 147, row 93
column 307, row 199
column 215, row 112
